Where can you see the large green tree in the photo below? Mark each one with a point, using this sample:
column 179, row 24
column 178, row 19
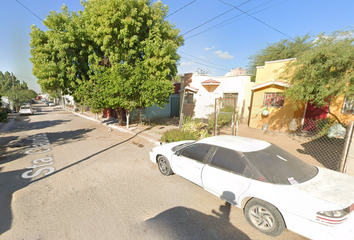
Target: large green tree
column 119, row 54
column 284, row 49
column 324, row 72
column 60, row 54
column 139, row 53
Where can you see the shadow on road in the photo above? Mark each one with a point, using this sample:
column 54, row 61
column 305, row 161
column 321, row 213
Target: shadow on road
column 64, row 140
column 40, row 125
column 186, row 223
column 10, row 182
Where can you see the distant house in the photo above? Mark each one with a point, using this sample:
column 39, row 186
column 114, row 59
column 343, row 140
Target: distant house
column 268, row 95
column 200, row 92
column 5, row 101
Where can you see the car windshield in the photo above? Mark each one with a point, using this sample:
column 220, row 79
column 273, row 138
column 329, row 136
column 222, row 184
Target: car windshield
column 280, row 167
column 178, row 147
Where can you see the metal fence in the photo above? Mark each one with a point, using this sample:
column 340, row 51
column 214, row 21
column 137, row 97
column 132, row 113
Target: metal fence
column 318, row 142
column 225, row 115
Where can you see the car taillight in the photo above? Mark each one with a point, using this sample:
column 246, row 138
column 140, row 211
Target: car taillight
column 334, row 217
column 351, row 208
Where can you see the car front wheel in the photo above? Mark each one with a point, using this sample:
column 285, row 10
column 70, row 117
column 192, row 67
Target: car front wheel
column 264, row 217
column 164, row 166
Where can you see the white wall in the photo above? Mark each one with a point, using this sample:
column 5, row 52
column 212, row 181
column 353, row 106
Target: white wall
column 205, row 100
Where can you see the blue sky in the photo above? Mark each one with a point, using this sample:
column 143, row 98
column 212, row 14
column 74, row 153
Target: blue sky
column 218, row 36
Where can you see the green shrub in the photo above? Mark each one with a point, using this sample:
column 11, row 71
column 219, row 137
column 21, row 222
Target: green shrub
column 224, row 119
column 175, row 135
column 191, row 130
column 3, row 115
column 323, row 126
column 197, row 128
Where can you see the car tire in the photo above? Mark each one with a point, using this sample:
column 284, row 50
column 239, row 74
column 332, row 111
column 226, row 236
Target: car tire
column 164, row 166
column 264, row 217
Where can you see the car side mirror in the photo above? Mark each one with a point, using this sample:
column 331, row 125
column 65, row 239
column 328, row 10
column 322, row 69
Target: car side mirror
column 178, row 153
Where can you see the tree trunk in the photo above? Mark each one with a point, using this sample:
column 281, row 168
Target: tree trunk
column 119, row 112
column 128, row 115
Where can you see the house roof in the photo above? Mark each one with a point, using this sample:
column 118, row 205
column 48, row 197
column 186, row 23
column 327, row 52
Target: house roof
column 272, row 82
column 189, row 89
column 210, row 82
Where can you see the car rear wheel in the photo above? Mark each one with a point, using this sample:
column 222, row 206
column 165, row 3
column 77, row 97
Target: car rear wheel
column 164, row 166
column 264, row 217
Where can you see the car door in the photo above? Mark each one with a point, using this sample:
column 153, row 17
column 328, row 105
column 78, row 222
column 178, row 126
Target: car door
column 227, row 175
column 189, row 161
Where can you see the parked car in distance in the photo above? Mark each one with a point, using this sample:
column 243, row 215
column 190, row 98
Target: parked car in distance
column 26, row 110
column 50, row 104
column 275, row 189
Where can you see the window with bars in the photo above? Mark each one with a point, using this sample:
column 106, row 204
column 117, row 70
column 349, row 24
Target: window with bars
column 189, row 98
column 348, row 105
column 273, row 100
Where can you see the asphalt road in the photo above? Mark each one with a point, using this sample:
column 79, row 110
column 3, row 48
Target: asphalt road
column 64, row 177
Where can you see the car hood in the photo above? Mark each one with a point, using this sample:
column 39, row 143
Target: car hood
column 330, row 186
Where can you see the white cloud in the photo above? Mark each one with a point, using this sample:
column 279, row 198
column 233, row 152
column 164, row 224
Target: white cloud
column 223, row 55
column 207, row 49
column 186, row 63
column 202, row 57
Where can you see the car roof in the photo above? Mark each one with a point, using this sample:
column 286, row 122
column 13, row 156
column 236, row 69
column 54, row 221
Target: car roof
column 236, row 143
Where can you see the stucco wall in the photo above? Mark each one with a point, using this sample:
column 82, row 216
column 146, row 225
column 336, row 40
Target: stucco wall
column 336, row 108
column 205, row 97
column 271, row 70
column 278, row 118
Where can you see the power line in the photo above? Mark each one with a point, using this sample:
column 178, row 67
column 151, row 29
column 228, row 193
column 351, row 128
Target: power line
column 205, row 64
column 228, row 21
column 30, row 11
column 258, row 20
column 181, row 8
column 199, row 59
column 214, row 18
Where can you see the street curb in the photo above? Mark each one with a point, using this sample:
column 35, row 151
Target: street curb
column 4, row 127
column 113, row 126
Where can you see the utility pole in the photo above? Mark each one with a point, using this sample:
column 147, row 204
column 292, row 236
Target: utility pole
column 13, row 86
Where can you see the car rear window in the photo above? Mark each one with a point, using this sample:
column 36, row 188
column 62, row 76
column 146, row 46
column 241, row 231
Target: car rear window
column 25, row 107
column 178, row 147
column 280, row 167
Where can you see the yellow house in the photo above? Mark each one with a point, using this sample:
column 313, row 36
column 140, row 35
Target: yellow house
column 270, row 110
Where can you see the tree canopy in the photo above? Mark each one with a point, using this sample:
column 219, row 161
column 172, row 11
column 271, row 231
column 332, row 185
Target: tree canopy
column 14, row 89
column 323, row 72
column 119, row 54
column 323, row 69
column 283, row 49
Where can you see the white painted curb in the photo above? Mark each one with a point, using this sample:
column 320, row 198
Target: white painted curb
column 113, row 126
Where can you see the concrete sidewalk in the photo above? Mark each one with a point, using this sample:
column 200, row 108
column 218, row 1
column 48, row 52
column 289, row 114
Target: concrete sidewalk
column 11, row 119
column 152, row 133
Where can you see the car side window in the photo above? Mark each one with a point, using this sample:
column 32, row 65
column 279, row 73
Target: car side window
column 230, row 160
column 197, row 152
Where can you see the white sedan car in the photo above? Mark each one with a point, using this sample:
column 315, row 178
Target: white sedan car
column 26, row 110
column 275, row 189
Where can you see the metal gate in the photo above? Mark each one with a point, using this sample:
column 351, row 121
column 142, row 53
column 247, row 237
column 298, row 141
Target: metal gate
column 225, row 115
column 174, row 107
